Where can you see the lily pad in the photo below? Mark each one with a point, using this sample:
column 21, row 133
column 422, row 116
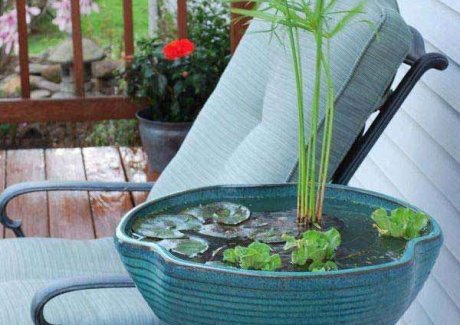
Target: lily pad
column 258, row 228
column 222, row 212
column 197, row 212
column 165, row 226
column 270, row 236
column 275, row 227
column 220, row 231
column 190, row 247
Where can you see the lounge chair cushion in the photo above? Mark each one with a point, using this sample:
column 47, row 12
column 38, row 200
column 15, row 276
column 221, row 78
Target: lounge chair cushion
column 247, row 131
column 390, row 3
column 52, row 258
column 29, row 264
column 100, row 306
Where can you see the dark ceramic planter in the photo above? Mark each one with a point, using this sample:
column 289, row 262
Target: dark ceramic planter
column 160, row 140
column 183, row 292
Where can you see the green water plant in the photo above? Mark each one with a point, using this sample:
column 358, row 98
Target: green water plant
column 257, row 256
column 190, row 247
column 400, row 223
column 324, row 21
column 225, row 213
column 315, row 248
column 166, row 226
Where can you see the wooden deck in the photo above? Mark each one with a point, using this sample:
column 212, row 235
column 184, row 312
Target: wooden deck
column 76, row 215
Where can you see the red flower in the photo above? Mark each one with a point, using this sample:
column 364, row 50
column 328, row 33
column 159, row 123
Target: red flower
column 178, row 49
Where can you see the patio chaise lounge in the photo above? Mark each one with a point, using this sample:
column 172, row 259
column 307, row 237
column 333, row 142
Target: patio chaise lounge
column 245, row 134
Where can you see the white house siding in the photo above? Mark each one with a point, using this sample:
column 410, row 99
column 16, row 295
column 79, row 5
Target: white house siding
column 418, row 157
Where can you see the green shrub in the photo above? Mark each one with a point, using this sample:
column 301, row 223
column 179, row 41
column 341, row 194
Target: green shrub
column 114, row 133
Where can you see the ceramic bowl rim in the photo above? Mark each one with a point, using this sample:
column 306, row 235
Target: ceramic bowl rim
column 408, row 256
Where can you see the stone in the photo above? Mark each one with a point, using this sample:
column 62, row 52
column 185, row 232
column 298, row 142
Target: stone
column 62, row 95
column 107, row 87
column 34, row 68
column 40, row 93
column 10, row 86
column 41, row 83
column 52, row 73
column 40, row 58
column 63, row 53
column 106, row 69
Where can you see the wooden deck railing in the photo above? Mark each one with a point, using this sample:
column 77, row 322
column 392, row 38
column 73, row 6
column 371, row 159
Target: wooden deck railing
column 82, row 108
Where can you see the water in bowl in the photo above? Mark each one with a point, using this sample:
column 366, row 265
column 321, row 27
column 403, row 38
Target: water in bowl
column 268, row 220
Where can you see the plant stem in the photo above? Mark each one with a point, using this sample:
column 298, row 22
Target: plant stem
column 300, row 106
column 302, row 144
column 296, row 60
column 327, row 136
column 311, row 196
column 297, row 16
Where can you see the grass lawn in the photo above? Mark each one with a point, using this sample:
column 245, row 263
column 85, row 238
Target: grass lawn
column 105, row 27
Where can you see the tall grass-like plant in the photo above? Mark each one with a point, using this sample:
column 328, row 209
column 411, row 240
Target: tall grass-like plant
column 324, row 21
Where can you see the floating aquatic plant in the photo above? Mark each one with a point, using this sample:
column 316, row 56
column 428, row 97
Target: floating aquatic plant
column 257, row 256
column 315, row 248
column 256, row 228
column 165, row 226
column 400, row 223
column 222, row 212
column 190, row 247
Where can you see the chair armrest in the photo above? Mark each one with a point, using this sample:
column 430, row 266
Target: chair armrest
column 59, row 287
column 417, row 49
column 45, row 186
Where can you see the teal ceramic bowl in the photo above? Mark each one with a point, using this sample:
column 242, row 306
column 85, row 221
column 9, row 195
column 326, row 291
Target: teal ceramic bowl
column 184, row 292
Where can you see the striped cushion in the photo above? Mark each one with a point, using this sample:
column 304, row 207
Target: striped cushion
column 390, row 4
column 50, row 258
column 100, row 306
column 29, row 264
column 247, row 131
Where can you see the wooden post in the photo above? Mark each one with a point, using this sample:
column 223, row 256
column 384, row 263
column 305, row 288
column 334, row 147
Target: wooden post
column 23, row 48
column 78, row 67
column 238, row 25
column 153, row 18
column 182, row 18
column 128, row 29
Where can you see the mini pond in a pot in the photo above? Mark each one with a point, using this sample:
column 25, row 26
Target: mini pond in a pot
column 173, row 249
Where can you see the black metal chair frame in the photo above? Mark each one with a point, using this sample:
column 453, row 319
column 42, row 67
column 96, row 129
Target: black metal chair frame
column 419, row 61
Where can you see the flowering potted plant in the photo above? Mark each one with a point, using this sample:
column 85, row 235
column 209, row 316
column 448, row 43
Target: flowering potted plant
column 173, row 79
column 306, row 253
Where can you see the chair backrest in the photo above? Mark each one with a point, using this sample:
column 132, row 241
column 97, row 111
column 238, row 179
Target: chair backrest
column 247, row 131
column 391, row 4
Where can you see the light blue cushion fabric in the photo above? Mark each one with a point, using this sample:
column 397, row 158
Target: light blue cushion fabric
column 247, row 131
column 390, row 4
column 29, row 264
column 89, row 307
column 52, row 258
